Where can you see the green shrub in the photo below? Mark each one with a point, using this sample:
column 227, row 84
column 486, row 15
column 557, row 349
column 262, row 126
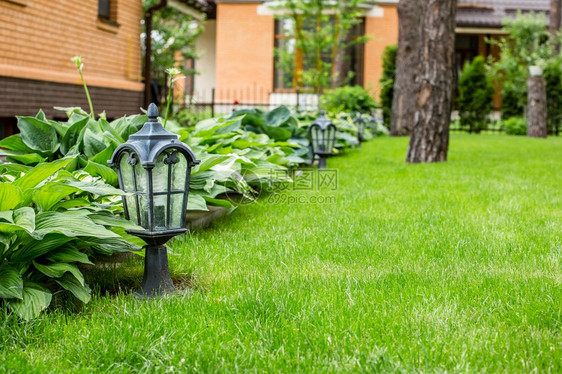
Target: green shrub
column 476, row 93
column 515, row 126
column 350, row 99
column 51, row 220
column 387, row 81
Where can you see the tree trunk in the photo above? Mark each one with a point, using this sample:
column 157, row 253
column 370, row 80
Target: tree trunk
column 341, row 60
column 429, row 141
column 536, row 107
column 407, row 64
column 555, row 20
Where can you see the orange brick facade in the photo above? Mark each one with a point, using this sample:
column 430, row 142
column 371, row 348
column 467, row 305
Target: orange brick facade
column 244, row 53
column 38, row 38
column 245, row 44
column 382, row 31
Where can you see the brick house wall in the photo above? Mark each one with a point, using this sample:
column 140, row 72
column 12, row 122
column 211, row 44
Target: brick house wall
column 383, row 31
column 38, row 39
column 244, row 53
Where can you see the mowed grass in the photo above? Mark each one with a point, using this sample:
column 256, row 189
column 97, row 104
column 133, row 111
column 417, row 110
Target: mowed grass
column 402, row 268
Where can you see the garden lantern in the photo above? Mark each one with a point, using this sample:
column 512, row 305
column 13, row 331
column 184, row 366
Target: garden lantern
column 360, row 122
column 323, row 137
column 154, row 170
column 375, row 121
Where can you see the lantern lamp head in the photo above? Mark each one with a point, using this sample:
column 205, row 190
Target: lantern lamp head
column 322, row 135
column 154, row 170
column 322, row 138
column 360, row 122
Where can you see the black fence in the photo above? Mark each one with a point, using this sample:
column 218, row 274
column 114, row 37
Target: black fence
column 219, row 102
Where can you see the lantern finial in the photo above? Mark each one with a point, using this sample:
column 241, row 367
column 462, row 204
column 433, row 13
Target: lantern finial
column 152, row 112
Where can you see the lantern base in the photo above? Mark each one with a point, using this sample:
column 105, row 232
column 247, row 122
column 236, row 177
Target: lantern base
column 322, row 162
column 156, row 281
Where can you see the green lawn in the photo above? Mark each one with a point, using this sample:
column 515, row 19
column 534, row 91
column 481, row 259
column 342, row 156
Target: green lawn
column 442, row 267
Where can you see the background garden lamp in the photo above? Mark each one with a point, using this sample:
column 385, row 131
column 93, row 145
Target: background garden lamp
column 322, row 138
column 360, row 122
column 374, row 121
column 154, row 170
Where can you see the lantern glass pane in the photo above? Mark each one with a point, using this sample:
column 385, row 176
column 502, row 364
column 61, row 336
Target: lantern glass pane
column 160, row 174
column 140, row 176
column 330, row 135
column 160, row 204
column 317, row 139
column 126, row 170
column 143, row 209
column 177, row 211
column 132, row 208
column 179, row 172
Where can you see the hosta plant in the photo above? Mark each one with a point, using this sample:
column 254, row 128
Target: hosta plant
column 50, row 221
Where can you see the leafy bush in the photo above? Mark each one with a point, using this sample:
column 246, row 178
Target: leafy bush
column 51, row 220
column 475, row 95
column 387, row 81
column 187, row 117
column 92, row 141
column 349, row 99
column 528, row 43
column 515, row 126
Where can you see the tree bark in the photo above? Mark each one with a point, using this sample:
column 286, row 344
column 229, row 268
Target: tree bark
column 536, row 107
column 341, row 62
column 555, row 20
column 407, row 64
column 429, row 141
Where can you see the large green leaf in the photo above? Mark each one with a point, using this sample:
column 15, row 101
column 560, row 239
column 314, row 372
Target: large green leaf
column 196, row 202
column 93, row 143
column 69, row 225
column 22, row 157
column 67, row 254
column 208, row 162
column 38, row 135
column 72, row 203
column 104, row 156
column 110, row 246
column 35, row 300
column 103, row 171
column 13, row 169
column 51, row 193
column 72, row 136
column 31, row 248
column 10, row 196
column 15, row 143
column 95, row 188
column 277, row 116
column 112, row 220
column 39, row 173
column 108, row 128
column 57, row 270
column 277, row 133
column 80, row 291
column 11, row 284
column 218, row 202
column 22, row 219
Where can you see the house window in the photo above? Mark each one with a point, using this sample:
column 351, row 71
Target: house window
column 290, row 61
column 107, row 10
column 104, row 9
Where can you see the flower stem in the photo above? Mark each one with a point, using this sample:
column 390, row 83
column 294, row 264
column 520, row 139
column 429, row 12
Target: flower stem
column 87, row 94
column 169, row 100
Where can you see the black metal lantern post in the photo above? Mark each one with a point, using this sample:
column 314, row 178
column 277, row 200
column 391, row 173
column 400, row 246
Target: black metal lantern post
column 360, row 122
column 375, row 121
column 154, row 170
column 322, row 137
